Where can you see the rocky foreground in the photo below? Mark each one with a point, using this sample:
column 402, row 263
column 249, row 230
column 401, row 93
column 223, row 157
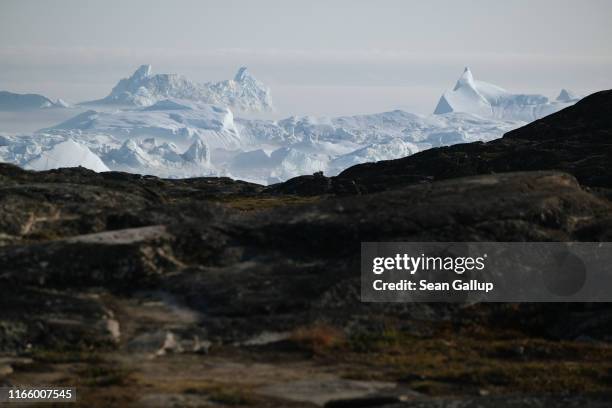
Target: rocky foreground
column 212, row 292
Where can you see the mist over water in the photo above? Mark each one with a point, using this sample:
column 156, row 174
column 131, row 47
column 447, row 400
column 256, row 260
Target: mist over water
column 33, row 120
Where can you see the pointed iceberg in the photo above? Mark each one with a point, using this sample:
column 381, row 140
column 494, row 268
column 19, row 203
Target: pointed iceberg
column 491, row 101
column 198, row 153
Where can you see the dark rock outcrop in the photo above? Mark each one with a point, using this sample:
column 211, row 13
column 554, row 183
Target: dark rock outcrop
column 263, row 270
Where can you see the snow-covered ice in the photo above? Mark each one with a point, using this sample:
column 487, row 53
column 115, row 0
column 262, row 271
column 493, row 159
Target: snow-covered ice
column 163, row 121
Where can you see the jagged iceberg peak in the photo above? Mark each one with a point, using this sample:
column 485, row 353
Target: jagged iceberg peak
column 130, row 145
column 244, row 79
column 197, row 153
column 243, row 93
column 242, row 74
column 60, row 103
column 491, row 101
column 567, row 96
column 142, row 72
column 466, row 79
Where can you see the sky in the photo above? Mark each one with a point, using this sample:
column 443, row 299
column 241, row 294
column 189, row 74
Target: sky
column 319, row 57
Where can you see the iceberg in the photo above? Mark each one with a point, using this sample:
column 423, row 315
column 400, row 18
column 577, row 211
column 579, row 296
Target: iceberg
column 67, row 154
column 488, row 100
column 243, row 93
column 10, row 101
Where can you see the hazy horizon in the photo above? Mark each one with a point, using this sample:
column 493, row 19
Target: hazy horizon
column 320, row 58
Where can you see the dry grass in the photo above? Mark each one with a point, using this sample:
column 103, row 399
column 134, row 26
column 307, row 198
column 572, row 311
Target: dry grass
column 503, row 364
column 54, row 356
column 264, row 203
column 224, row 395
column 449, row 361
column 103, row 375
column 318, row 337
